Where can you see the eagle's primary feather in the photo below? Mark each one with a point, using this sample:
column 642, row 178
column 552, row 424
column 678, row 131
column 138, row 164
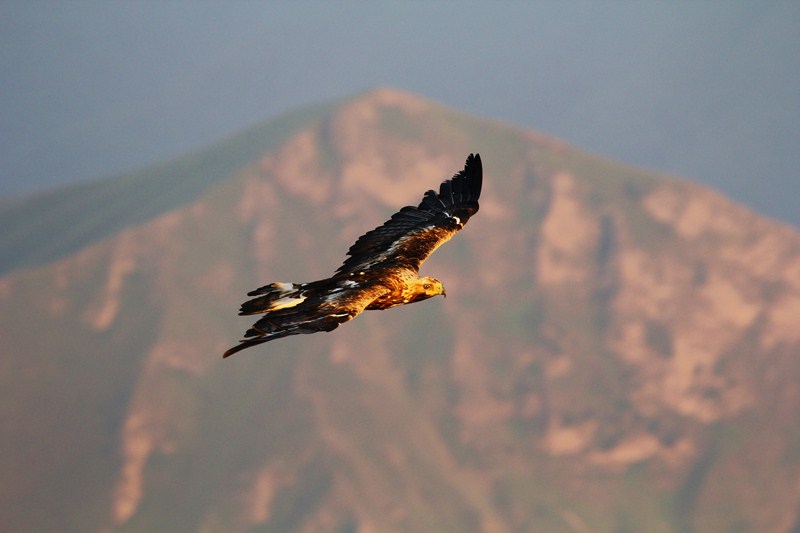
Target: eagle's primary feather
column 382, row 269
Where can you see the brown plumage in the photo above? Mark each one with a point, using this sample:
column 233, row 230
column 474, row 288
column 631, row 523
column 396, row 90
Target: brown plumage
column 381, row 272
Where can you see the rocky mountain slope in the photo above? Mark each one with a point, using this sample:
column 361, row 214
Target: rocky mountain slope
column 618, row 351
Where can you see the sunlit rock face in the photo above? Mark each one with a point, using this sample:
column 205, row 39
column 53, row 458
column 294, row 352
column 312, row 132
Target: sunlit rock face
column 618, row 349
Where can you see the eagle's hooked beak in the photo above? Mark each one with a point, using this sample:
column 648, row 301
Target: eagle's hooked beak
column 443, row 292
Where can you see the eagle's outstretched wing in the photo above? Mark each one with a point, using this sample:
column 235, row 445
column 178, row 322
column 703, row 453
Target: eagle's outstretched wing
column 413, row 233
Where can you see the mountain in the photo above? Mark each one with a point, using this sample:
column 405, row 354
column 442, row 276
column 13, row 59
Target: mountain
column 618, row 350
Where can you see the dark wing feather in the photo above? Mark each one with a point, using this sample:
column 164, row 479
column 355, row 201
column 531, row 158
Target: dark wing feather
column 413, row 233
column 325, row 305
column 276, row 325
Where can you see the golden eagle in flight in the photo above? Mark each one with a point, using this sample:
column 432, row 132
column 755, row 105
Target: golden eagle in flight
column 381, row 272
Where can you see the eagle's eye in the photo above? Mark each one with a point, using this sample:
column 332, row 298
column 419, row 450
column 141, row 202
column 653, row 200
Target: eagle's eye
column 427, row 286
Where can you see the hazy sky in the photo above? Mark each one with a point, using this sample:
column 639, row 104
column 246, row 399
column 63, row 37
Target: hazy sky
column 708, row 90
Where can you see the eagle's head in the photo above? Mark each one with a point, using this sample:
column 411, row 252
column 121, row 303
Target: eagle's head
column 425, row 287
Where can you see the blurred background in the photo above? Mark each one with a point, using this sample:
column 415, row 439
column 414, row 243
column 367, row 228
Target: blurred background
column 709, row 89
column 618, row 350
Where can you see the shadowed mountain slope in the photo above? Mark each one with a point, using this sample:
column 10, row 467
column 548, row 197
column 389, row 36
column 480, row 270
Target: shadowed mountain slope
column 618, row 350
column 42, row 227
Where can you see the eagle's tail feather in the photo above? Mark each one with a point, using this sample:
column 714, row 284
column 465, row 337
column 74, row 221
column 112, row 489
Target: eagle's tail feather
column 273, row 297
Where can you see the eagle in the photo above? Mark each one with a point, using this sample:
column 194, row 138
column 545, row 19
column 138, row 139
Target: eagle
column 382, row 269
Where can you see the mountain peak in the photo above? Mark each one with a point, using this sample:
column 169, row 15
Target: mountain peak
column 616, row 348
column 392, row 97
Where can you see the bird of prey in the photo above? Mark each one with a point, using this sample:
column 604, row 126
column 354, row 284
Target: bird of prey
column 382, row 269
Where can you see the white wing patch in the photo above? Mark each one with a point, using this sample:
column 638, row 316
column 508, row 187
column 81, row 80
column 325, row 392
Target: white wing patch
column 283, row 303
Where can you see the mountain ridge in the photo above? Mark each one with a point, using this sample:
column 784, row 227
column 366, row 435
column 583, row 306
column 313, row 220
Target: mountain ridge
column 159, row 187
column 616, row 351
